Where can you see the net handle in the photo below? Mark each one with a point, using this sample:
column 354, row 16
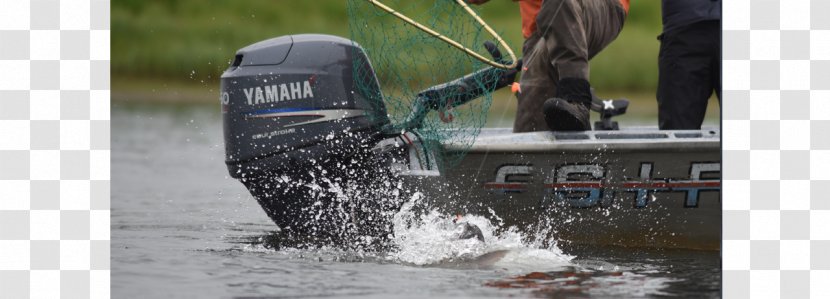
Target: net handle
column 454, row 43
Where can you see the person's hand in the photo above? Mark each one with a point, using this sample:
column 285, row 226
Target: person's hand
column 477, row 2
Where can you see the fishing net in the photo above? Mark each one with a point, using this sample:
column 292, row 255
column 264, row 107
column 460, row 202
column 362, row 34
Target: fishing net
column 410, row 63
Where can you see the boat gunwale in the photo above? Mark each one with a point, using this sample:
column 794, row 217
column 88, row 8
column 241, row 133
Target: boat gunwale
column 504, row 140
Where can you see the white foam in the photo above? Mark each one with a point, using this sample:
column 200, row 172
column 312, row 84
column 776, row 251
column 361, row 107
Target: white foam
column 431, row 239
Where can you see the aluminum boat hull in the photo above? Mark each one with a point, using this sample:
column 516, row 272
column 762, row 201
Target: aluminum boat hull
column 636, row 187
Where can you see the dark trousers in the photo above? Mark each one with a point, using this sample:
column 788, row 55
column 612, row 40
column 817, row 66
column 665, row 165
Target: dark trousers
column 690, row 70
column 568, row 34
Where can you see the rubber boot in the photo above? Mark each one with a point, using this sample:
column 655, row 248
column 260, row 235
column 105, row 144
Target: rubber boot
column 569, row 110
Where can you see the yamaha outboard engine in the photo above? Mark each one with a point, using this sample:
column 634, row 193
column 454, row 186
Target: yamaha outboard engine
column 300, row 128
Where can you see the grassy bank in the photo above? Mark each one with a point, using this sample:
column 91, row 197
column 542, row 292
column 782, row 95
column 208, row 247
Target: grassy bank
column 173, row 51
column 192, row 41
column 642, row 111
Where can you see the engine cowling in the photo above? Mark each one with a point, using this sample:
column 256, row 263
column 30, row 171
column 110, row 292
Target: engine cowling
column 301, row 115
column 293, row 99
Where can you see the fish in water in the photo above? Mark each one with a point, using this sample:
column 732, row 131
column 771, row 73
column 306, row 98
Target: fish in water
column 466, row 230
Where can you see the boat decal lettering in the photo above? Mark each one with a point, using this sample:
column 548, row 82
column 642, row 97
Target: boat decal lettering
column 316, row 115
column 578, row 185
column 586, row 185
column 507, row 179
column 278, row 92
column 225, row 99
column 274, row 133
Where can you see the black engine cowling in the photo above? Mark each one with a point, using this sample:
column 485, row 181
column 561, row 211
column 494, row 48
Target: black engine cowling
column 294, row 98
column 301, row 115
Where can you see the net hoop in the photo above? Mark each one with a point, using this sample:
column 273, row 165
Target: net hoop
column 452, row 42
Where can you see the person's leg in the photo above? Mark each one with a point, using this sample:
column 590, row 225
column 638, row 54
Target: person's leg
column 576, row 31
column 604, row 22
column 573, row 32
column 715, row 48
column 562, row 26
column 536, row 87
column 686, row 72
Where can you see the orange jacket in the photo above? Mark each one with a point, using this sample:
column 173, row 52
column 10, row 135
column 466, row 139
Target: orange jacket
column 530, row 8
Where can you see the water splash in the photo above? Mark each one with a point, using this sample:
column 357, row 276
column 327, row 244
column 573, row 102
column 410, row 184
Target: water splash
column 426, row 237
column 431, row 239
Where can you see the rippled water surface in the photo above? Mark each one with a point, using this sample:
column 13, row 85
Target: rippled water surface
column 181, row 228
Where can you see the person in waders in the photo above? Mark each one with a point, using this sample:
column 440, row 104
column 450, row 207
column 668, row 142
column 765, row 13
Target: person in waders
column 561, row 36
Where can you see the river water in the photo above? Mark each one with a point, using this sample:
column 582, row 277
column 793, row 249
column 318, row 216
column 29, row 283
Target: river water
column 182, row 228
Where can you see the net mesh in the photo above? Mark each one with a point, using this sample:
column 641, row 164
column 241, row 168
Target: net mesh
column 408, row 61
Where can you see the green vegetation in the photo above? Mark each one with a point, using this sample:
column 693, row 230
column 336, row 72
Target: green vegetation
column 175, row 50
column 194, row 40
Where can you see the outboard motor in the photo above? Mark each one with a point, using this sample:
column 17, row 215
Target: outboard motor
column 300, row 126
